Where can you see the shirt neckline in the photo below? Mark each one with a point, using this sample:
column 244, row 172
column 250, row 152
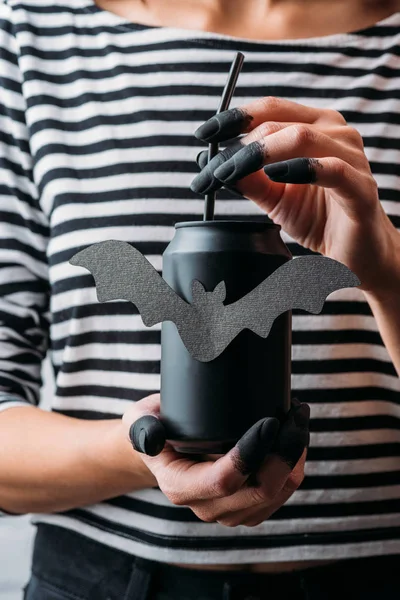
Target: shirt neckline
column 124, row 24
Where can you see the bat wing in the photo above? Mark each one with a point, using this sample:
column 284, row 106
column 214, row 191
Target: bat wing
column 121, row 272
column 302, row 283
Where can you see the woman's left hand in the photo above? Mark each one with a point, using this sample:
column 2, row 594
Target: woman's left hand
column 319, row 188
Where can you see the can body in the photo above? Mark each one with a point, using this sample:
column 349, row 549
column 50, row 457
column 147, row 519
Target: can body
column 207, row 406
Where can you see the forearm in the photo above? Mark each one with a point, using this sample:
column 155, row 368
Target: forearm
column 384, row 298
column 386, row 311
column 50, row 462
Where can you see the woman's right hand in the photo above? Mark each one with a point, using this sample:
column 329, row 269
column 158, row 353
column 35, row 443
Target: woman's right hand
column 243, row 487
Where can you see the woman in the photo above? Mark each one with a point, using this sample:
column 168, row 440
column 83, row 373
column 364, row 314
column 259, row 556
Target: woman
column 99, row 104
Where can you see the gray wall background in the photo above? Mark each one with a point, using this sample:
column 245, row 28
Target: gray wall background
column 16, row 533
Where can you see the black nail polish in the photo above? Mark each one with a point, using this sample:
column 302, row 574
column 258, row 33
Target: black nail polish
column 147, row 435
column 208, row 129
column 225, row 171
column 297, row 170
column 202, row 159
column 224, row 126
column 205, row 181
column 252, row 448
column 248, row 160
column 276, row 170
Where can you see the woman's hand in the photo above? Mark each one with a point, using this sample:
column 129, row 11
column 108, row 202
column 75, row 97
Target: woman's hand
column 222, row 490
column 319, row 188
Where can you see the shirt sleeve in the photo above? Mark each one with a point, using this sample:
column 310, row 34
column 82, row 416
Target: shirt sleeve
column 24, row 286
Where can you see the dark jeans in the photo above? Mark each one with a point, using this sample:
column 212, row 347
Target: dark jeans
column 67, row 566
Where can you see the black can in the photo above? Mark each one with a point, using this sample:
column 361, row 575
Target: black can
column 207, row 406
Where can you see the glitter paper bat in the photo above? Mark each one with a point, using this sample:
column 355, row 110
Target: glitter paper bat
column 206, row 325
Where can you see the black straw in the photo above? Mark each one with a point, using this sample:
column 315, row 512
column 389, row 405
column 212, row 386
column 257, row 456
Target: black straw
column 213, row 148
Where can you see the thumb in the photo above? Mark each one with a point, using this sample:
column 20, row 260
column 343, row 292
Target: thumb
column 148, row 435
column 146, row 431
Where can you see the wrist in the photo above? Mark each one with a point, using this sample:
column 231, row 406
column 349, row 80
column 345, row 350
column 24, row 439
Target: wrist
column 118, row 461
column 129, row 460
column 385, row 288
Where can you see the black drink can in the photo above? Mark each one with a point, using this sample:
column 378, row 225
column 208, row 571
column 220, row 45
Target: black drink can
column 207, row 406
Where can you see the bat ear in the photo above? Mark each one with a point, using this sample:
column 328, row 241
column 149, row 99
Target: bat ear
column 220, row 291
column 198, row 291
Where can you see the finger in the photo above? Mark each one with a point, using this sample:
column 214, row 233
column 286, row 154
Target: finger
column 243, row 119
column 148, row 435
column 252, row 517
column 353, row 187
column 142, row 416
column 275, row 471
column 147, row 406
column 252, row 448
column 294, row 435
column 206, row 177
column 257, row 515
column 296, row 141
column 206, row 180
column 202, row 160
column 185, row 481
column 297, row 170
column 292, row 440
column 272, row 478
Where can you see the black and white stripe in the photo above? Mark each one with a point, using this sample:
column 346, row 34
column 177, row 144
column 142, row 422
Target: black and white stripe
column 96, row 142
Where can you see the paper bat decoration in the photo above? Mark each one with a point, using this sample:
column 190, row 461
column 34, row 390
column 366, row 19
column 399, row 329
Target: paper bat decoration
column 206, row 325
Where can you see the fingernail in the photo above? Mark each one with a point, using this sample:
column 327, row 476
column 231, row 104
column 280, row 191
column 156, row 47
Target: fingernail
column 296, row 170
column 204, row 182
column 208, row 129
column 227, row 124
column 147, row 435
column 254, row 445
column 276, row 170
column 224, row 172
column 248, row 160
column 202, row 159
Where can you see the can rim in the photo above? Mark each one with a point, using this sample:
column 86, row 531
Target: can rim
column 225, row 224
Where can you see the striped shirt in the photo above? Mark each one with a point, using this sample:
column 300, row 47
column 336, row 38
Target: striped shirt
column 97, row 116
